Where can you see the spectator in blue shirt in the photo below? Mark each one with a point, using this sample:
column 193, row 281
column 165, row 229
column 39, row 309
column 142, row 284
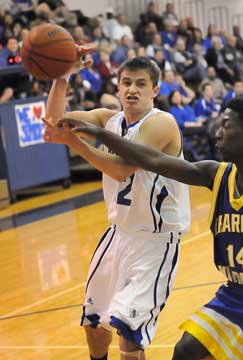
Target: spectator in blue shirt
column 9, row 55
column 169, row 35
column 195, row 138
column 91, row 77
column 175, row 82
column 205, row 107
column 183, row 113
column 237, row 91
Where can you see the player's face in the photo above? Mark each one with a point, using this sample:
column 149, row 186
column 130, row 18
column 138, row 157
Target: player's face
column 229, row 136
column 136, row 91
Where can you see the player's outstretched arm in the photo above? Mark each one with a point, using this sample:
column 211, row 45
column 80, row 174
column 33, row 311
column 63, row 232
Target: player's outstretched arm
column 56, row 102
column 112, row 165
column 147, row 157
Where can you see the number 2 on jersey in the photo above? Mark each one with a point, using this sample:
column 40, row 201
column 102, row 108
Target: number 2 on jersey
column 122, row 198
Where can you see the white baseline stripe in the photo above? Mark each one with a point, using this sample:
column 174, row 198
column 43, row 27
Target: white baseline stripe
column 169, row 346
column 60, row 293
column 194, row 238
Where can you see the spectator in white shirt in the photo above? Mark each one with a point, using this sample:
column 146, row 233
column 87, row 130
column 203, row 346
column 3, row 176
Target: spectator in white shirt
column 122, row 29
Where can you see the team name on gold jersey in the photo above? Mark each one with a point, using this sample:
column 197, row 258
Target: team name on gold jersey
column 229, row 223
column 233, row 276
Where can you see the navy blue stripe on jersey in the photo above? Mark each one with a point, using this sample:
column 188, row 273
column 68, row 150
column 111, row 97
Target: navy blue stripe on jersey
column 101, row 257
column 155, row 291
column 123, row 127
column 134, row 336
column 157, row 218
column 160, row 198
column 174, row 262
column 151, row 204
column 101, row 241
column 133, row 124
column 83, row 317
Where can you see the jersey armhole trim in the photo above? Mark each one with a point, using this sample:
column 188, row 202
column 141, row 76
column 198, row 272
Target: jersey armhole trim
column 216, row 186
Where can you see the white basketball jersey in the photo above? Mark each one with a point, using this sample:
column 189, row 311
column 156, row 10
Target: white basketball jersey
column 145, row 201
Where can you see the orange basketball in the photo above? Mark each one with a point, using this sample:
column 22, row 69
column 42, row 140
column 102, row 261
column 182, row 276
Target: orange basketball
column 48, row 52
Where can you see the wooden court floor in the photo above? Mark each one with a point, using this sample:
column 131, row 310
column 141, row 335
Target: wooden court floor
column 46, row 243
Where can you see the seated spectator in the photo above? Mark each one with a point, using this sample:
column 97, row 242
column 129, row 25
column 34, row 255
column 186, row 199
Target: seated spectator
column 148, row 35
column 131, row 53
column 97, row 37
column 198, row 52
column 217, row 84
column 6, row 35
column 10, row 55
column 157, row 44
column 159, row 58
column 232, row 56
column 184, row 32
column 169, row 35
column 78, row 97
column 212, row 32
column 109, row 23
column 183, row 113
column 197, row 38
column 109, row 87
column 79, row 36
column 91, row 77
column 175, row 82
column 169, row 14
column 106, row 67
column 17, row 30
column 205, row 107
column 151, row 15
column 186, row 63
column 237, row 91
column 187, row 94
column 121, row 28
column 196, row 142
column 119, row 54
column 215, row 59
column 44, row 13
column 190, row 23
column 168, row 84
column 38, row 88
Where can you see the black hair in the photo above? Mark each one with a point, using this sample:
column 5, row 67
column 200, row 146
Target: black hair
column 203, row 87
column 236, row 105
column 141, row 63
column 171, row 96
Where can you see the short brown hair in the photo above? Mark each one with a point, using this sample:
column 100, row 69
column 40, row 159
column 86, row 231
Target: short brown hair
column 141, row 63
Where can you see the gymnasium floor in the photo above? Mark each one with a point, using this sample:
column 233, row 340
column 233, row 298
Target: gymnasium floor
column 46, row 243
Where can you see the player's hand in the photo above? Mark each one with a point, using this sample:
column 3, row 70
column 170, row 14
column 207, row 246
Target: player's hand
column 58, row 135
column 82, row 128
column 81, row 62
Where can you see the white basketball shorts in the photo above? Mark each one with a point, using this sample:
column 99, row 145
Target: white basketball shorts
column 129, row 281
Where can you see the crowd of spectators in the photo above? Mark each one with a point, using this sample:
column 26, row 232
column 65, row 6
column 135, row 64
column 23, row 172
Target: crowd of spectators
column 199, row 74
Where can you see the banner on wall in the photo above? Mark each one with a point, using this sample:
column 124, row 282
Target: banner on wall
column 29, row 124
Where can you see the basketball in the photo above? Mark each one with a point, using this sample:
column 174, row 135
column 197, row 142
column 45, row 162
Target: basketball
column 48, row 52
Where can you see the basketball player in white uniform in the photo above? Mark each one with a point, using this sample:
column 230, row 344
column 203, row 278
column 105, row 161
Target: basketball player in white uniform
column 134, row 265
